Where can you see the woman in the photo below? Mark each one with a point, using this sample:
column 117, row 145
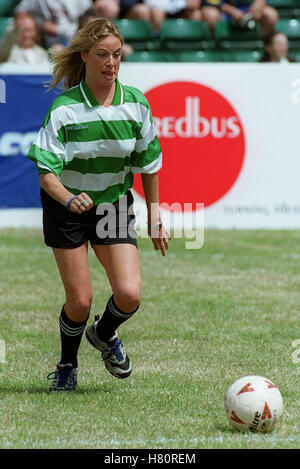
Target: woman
column 95, row 137
column 238, row 11
column 162, row 9
column 22, row 42
column 276, row 48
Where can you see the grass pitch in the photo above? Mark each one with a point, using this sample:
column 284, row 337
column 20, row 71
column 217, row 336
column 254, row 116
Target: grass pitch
column 207, row 317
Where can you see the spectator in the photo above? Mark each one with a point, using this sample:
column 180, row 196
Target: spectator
column 259, row 11
column 21, row 43
column 57, row 19
column 276, row 49
column 211, row 13
column 162, row 9
column 88, row 16
column 135, row 10
column 109, row 9
column 92, row 14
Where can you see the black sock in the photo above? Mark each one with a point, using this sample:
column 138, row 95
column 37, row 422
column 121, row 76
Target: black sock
column 70, row 336
column 112, row 318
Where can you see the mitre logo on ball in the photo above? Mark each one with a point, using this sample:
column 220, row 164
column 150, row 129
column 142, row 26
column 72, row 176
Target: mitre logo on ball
column 202, row 140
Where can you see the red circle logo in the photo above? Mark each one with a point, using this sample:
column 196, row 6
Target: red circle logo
column 202, row 140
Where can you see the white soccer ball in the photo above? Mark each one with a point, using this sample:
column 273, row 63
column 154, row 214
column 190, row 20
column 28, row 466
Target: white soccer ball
column 253, row 403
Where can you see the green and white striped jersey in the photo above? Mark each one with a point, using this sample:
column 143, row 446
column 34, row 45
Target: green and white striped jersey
column 95, row 149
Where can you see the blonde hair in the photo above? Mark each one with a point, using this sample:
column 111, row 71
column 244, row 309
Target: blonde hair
column 68, row 66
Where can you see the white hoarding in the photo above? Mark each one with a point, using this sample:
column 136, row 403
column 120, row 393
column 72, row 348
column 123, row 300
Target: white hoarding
column 266, row 97
column 230, row 138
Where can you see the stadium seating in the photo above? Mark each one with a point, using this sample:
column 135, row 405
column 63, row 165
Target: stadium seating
column 217, row 56
column 286, row 8
column 200, row 56
column 150, row 56
column 7, row 7
column 190, row 41
column 283, row 3
column 184, row 34
column 291, row 27
column 195, row 56
column 295, row 54
column 244, row 56
column 138, row 33
column 4, row 22
column 229, row 36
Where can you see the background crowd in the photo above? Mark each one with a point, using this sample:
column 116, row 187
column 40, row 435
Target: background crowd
column 41, row 27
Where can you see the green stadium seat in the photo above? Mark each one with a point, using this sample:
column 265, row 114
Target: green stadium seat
column 295, row 54
column 137, row 33
column 149, row 56
column 284, row 3
column 245, row 56
column 184, row 34
column 289, row 13
column 7, row 7
column 286, row 8
column 201, row 56
column 291, row 27
column 219, row 56
column 4, row 22
column 230, row 36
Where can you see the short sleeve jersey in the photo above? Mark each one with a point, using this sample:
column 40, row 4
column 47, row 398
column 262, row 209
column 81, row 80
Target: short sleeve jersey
column 94, row 149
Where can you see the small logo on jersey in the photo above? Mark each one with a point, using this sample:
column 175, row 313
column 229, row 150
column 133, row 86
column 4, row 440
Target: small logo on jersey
column 77, row 127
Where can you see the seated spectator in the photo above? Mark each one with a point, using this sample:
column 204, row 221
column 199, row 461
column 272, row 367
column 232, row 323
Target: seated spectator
column 21, row 43
column 276, row 49
column 211, row 13
column 90, row 15
column 135, row 10
column 109, row 9
column 236, row 10
column 162, row 9
column 57, row 19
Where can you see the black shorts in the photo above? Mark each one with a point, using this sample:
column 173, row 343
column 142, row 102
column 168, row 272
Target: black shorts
column 102, row 224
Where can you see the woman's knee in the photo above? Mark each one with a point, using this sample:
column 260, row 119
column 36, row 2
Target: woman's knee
column 127, row 297
column 78, row 307
column 211, row 15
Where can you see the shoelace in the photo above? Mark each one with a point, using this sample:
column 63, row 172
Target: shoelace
column 115, row 350
column 62, row 376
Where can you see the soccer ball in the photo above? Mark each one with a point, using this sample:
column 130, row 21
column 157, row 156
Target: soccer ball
column 253, row 403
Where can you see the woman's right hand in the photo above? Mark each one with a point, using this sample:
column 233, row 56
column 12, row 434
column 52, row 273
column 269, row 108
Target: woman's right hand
column 81, row 203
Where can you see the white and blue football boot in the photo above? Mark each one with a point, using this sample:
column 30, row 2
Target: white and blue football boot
column 113, row 352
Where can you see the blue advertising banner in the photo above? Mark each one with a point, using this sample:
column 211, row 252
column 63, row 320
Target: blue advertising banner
column 23, row 105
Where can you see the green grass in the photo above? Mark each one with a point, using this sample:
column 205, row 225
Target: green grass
column 207, row 317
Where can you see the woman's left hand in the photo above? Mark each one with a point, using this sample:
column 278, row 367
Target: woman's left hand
column 160, row 238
